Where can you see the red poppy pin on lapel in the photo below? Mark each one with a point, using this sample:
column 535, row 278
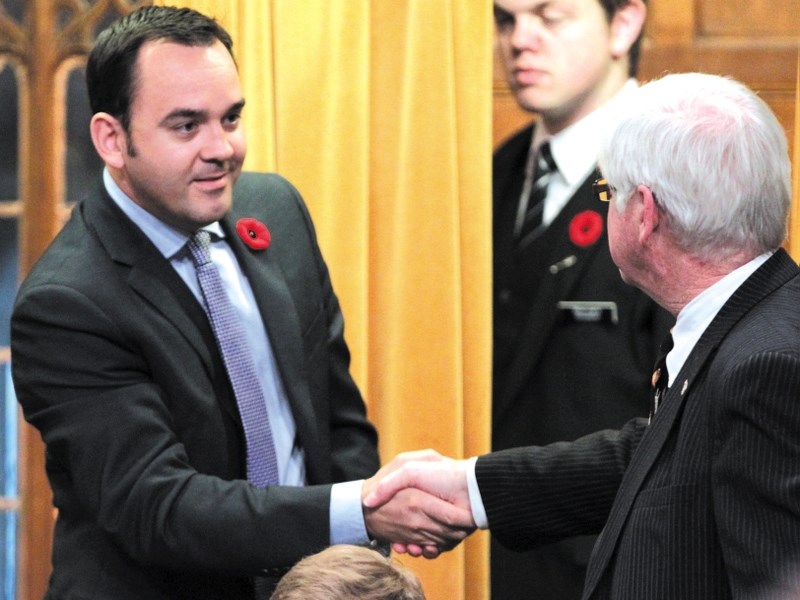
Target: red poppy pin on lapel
column 585, row 228
column 253, row 233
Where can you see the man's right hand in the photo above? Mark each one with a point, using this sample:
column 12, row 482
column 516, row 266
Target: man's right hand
column 419, row 502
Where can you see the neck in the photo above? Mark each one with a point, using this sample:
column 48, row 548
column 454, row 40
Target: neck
column 684, row 276
column 559, row 118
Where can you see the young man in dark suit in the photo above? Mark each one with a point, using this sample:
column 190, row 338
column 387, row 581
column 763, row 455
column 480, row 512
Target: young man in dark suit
column 702, row 500
column 165, row 486
column 572, row 342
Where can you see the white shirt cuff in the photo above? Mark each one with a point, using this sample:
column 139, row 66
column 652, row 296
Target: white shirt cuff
column 475, row 500
column 346, row 514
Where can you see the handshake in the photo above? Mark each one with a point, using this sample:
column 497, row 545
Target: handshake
column 420, row 503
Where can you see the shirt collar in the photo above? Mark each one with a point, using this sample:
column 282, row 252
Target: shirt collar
column 575, row 149
column 166, row 238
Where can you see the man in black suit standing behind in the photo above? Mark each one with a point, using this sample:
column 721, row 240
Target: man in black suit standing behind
column 180, row 348
column 703, row 499
column 572, row 342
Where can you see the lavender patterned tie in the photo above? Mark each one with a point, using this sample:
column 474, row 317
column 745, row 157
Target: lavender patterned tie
column 262, row 465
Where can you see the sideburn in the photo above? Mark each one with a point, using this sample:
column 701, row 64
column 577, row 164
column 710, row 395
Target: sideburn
column 131, row 149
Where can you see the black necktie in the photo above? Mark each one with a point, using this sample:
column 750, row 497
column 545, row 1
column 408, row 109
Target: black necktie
column 534, row 191
column 660, row 379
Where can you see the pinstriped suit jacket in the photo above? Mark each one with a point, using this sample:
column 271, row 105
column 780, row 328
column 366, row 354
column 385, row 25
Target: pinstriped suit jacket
column 705, row 501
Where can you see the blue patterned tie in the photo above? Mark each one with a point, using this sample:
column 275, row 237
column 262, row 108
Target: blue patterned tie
column 262, row 464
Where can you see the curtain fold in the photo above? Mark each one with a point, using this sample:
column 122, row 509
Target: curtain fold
column 379, row 111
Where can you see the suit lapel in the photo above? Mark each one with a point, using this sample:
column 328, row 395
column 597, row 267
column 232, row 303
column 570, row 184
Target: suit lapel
column 771, row 275
column 279, row 314
column 150, row 276
column 507, row 165
column 565, row 270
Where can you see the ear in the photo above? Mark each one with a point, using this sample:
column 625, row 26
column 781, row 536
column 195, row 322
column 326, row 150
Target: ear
column 109, row 139
column 626, row 25
column 649, row 215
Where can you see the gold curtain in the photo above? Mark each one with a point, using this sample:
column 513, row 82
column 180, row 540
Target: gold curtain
column 380, row 112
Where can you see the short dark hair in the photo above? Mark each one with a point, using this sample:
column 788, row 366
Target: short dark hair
column 110, row 76
column 611, row 7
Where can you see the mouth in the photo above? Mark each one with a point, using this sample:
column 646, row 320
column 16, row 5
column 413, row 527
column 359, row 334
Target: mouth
column 524, row 76
column 214, row 176
column 213, row 181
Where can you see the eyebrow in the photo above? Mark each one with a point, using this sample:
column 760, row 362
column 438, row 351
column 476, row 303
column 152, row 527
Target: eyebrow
column 500, row 12
column 200, row 115
column 536, row 7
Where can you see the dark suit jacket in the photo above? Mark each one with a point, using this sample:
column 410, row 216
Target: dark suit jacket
column 115, row 364
column 703, row 503
column 560, row 373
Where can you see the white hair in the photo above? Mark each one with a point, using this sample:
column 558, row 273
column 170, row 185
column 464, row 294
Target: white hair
column 714, row 156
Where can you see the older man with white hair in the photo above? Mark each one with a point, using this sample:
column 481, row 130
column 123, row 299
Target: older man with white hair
column 702, row 500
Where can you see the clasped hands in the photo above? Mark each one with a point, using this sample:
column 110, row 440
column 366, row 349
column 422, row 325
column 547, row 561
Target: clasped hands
column 420, row 503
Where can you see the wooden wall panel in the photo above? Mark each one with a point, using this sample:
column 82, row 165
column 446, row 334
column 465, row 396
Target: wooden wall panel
column 748, row 18
column 507, row 116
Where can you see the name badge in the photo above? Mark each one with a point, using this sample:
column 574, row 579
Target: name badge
column 588, row 311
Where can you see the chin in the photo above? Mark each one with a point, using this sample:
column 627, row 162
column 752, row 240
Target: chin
column 201, row 219
column 528, row 102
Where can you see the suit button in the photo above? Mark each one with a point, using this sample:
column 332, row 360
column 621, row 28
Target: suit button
column 504, row 296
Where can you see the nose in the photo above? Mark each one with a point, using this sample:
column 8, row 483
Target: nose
column 526, row 34
column 219, row 144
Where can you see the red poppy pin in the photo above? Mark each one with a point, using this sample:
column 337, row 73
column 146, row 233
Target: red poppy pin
column 586, row 228
column 253, row 233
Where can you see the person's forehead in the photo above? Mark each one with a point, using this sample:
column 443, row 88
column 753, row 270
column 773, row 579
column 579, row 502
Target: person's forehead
column 166, row 63
column 166, row 52
column 518, row 6
column 166, row 67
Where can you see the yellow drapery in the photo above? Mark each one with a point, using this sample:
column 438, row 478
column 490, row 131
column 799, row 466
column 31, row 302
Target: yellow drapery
column 380, row 112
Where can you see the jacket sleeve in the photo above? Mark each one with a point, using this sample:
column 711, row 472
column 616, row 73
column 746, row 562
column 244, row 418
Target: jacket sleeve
column 541, row 494
column 115, row 460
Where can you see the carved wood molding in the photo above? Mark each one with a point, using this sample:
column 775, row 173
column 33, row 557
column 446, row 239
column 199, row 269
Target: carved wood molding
column 77, row 34
column 10, row 209
column 52, row 37
column 12, row 37
column 74, row 26
column 7, row 504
